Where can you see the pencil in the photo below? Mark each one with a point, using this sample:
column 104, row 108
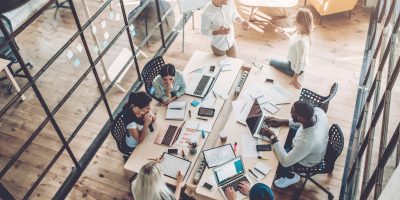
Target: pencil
column 253, row 173
column 243, row 107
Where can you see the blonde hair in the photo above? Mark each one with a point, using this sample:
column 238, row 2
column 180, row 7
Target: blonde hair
column 305, row 19
column 151, row 185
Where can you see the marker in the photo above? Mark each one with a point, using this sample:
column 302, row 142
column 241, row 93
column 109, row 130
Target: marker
column 259, row 171
column 281, row 104
column 234, row 147
column 203, row 135
column 262, row 158
column 202, row 118
column 190, row 114
column 253, row 173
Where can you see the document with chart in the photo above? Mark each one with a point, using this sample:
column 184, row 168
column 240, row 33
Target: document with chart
column 218, row 155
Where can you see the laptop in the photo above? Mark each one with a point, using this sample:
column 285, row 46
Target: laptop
column 230, row 174
column 256, row 121
column 168, row 137
column 201, row 84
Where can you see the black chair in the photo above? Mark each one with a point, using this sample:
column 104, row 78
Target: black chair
column 150, row 71
column 119, row 131
column 6, row 53
column 333, row 150
column 318, row 100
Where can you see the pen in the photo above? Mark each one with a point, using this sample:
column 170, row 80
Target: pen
column 259, row 171
column 234, row 147
column 202, row 118
column 184, row 156
column 241, row 123
column 253, row 173
column 262, row 158
column 190, row 114
column 243, row 107
column 281, row 103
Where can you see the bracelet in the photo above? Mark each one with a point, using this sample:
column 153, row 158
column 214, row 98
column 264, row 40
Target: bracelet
column 275, row 140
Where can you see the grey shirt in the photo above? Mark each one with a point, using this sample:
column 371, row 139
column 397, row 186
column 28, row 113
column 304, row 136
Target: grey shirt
column 178, row 88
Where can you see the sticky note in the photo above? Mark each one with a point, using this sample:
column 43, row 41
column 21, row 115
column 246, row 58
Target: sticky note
column 94, row 29
column 77, row 62
column 103, row 24
column 117, row 17
column 112, row 15
column 79, row 47
column 106, row 35
column 69, row 54
column 104, row 44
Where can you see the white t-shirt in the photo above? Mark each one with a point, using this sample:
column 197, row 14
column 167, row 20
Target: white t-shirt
column 298, row 52
column 130, row 141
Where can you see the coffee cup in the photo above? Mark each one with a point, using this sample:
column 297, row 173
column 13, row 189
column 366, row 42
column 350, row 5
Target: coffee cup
column 223, row 136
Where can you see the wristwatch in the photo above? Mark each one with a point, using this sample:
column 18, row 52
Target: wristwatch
column 274, row 139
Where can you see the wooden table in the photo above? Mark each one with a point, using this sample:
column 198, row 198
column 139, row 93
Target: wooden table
column 255, row 4
column 3, row 66
column 236, row 130
column 147, row 149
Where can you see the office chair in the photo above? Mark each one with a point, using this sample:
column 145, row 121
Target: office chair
column 318, row 100
column 333, row 150
column 6, row 53
column 57, row 5
column 149, row 73
column 119, row 131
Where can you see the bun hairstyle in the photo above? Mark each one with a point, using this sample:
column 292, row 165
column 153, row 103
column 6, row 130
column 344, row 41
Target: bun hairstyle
column 304, row 18
column 167, row 70
column 138, row 99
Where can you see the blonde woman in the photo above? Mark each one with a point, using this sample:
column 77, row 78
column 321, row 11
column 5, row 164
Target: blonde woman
column 150, row 184
column 299, row 46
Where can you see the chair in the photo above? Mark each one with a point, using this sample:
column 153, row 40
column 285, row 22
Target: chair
column 328, row 7
column 333, row 150
column 149, row 73
column 7, row 54
column 318, row 100
column 119, row 131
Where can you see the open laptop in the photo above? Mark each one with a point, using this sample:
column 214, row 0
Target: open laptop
column 256, row 121
column 230, row 174
column 168, row 137
column 201, row 84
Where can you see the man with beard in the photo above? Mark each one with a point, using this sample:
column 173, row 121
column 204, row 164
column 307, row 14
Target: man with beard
column 305, row 144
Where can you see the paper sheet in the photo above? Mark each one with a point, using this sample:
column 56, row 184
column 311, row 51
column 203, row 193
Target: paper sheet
column 278, row 94
column 186, row 136
column 249, row 146
column 241, row 109
column 170, row 165
column 220, row 92
column 218, row 155
column 209, row 101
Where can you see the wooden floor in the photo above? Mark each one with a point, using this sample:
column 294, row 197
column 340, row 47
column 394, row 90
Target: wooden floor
column 335, row 56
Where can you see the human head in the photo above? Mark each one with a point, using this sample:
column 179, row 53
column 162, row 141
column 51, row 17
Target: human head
column 139, row 102
column 219, row 3
column 261, row 191
column 150, row 183
column 302, row 112
column 304, row 21
column 167, row 74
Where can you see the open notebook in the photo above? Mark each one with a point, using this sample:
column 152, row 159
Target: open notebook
column 176, row 110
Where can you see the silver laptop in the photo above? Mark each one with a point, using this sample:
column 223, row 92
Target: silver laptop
column 256, row 121
column 230, row 174
column 201, row 83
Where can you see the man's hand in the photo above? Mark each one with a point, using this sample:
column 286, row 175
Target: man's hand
column 295, row 82
column 245, row 24
column 230, row 193
column 244, row 187
column 267, row 132
column 222, row 31
column 275, row 122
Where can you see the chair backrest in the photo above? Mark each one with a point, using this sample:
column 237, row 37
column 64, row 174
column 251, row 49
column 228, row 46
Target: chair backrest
column 119, row 131
column 5, row 52
column 150, row 71
column 334, row 148
column 318, row 100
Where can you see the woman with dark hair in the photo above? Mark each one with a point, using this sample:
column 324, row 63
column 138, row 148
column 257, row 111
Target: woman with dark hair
column 259, row 191
column 137, row 117
column 169, row 85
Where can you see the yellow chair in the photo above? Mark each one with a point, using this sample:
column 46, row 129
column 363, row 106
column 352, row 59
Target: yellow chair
column 328, row 7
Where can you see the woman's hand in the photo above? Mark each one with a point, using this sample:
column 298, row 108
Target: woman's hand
column 295, row 81
column 230, row 193
column 245, row 24
column 148, row 118
column 179, row 179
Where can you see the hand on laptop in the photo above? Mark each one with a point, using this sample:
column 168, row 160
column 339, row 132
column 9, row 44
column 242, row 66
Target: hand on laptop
column 267, row 132
column 275, row 122
column 244, row 187
column 230, row 193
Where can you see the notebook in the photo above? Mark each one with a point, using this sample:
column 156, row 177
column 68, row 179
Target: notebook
column 171, row 164
column 176, row 110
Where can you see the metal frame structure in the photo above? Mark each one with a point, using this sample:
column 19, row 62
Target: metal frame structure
column 79, row 166
column 380, row 55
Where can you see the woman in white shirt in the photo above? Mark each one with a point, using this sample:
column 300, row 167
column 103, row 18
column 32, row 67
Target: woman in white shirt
column 150, row 184
column 299, row 46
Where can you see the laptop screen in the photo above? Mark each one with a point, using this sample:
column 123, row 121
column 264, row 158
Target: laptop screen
column 254, row 114
column 228, row 170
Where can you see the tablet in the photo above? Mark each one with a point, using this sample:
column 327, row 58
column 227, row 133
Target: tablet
column 218, row 155
column 171, row 164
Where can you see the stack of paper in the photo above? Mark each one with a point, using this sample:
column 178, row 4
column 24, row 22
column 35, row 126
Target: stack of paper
column 261, row 170
column 176, row 110
column 226, row 65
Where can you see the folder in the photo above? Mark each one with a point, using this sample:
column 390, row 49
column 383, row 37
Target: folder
column 176, row 110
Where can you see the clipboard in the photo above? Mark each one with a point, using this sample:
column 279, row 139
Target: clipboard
column 218, row 155
column 171, row 164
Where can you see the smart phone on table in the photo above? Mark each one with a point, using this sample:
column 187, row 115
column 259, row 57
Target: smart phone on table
column 207, row 112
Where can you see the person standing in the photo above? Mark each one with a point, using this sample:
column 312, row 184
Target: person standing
column 300, row 42
column 217, row 22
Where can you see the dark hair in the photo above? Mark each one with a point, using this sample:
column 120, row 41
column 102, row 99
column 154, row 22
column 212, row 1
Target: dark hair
column 138, row 99
column 260, row 191
column 304, row 109
column 167, row 70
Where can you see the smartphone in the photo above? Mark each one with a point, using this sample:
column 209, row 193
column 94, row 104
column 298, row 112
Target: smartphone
column 212, row 68
column 173, row 151
column 207, row 112
column 263, row 147
column 208, row 186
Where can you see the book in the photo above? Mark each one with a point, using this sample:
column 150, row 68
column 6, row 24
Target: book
column 176, row 110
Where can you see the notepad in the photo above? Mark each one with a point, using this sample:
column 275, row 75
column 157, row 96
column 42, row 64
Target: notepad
column 176, row 110
column 171, row 164
column 261, row 170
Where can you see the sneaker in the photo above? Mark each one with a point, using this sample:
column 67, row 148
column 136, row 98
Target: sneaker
column 284, row 182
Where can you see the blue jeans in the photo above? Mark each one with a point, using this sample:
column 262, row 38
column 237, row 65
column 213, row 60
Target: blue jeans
column 283, row 66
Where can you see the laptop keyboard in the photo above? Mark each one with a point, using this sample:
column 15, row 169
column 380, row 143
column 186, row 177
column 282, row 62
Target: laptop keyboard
column 202, row 85
column 169, row 135
column 235, row 184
